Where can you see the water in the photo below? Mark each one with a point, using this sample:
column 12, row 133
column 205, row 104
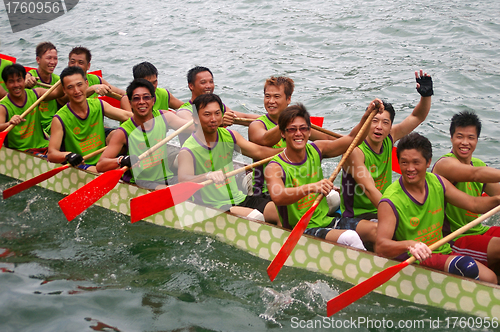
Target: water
column 100, row 270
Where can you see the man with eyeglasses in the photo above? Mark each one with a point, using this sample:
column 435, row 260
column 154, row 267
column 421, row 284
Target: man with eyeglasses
column 77, row 129
column 294, row 177
column 144, row 129
column 208, row 155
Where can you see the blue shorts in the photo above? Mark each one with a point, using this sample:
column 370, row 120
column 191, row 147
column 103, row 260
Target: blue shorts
column 321, row 231
column 347, row 223
column 84, row 166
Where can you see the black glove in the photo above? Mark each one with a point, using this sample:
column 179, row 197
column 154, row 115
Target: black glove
column 129, row 161
column 425, row 88
column 74, row 159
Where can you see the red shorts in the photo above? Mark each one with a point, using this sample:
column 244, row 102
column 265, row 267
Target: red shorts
column 436, row 261
column 476, row 246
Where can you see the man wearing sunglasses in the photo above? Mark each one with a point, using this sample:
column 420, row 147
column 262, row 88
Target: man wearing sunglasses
column 146, row 127
column 77, row 129
column 294, row 177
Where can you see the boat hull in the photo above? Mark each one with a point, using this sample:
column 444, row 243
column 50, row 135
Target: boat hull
column 414, row 283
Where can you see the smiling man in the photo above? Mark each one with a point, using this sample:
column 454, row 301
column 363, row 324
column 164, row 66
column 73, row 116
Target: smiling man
column 472, row 176
column 208, row 155
column 28, row 132
column 411, row 213
column 78, row 127
column 367, row 172
column 146, row 128
column 294, row 177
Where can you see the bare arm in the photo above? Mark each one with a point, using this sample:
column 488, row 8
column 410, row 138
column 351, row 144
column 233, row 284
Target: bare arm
column 454, row 171
column 174, row 102
column 125, row 104
column 55, row 155
column 258, row 134
column 318, row 135
column 116, row 113
column 4, row 124
column 474, row 204
column 55, row 94
column 252, row 150
column 108, row 159
column 416, row 117
column 174, row 121
column 113, row 88
column 3, row 93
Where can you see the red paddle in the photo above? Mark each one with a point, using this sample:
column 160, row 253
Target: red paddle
column 274, row 268
column 42, row 177
column 8, row 57
column 355, row 293
column 77, row 202
column 4, row 133
column 159, row 200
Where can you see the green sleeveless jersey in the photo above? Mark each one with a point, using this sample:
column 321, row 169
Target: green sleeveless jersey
column 457, row 217
column 28, row 134
column 47, row 108
column 93, row 80
column 353, row 200
column 162, row 99
column 219, row 157
column 3, row 63
column 259, row 182
column 299, row 174
column 83, row 136
column 422, row 222
column 155, row 167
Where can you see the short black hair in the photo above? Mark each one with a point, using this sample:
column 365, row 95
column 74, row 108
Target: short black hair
column 465, row 119
column 13, row 70
column 81, row 50
column 290, row 113
column 418, row 142
column 144, row 69
column 191, row 75
column 44, row 47
column 388, row 107
column 140, row 83
column 68, row 71
column 203, row 100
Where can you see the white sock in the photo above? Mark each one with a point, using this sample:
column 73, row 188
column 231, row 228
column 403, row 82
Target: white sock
column 255, row 214
column 351, row 238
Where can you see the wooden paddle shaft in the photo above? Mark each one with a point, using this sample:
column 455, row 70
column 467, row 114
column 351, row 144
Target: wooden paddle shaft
column 242, row 169
column 114, row 95
column 35, row 104
column 318, row 128
column 459, row 231
column 95, row 153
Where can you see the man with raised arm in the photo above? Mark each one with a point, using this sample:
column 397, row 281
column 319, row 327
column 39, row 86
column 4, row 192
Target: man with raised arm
column 46, row 58
column 367, row 172
column 28, row 133
column 143, row 130
column 78, row 127
column 295, row 178
column 472, row 176
column 411, row 213
column 201, row 81
column 265, row 131
column 80, row 56
column 208, row 155
column 163, row 98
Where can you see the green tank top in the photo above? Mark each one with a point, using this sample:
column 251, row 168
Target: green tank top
column 28, row 134
column 457, row 217
column 259, row 182
column 3, row 63
column 422, row 222
column 83, row 136
column 299, row 174
column 162, row 99
column 220, row 157
column 93, row 80
column 155, row 167
column 353, row 200
column 47, row 108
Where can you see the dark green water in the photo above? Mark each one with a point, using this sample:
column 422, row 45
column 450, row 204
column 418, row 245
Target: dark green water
column 100, row 269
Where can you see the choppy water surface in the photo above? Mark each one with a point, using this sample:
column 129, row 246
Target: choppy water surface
column 101, row 273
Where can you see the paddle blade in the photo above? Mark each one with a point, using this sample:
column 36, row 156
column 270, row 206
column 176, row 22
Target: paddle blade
column 31, row 182
column 74, row 204
column 274, row 268
column 3, row 134
column 395, row 163
column 112, row 101
column 159, row 200
column 317, row 120
column 355, row 293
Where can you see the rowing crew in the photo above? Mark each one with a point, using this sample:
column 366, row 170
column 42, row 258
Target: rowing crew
column 411, row 215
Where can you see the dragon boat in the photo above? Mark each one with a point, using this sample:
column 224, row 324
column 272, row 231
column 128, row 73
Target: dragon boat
column 414, row 283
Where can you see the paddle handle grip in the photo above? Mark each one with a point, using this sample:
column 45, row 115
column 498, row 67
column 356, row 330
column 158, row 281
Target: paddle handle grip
column 165, row 140
column 35, row 104
column 93, row 154
column 114, row 95
column 43, row 85
column 244, row 169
